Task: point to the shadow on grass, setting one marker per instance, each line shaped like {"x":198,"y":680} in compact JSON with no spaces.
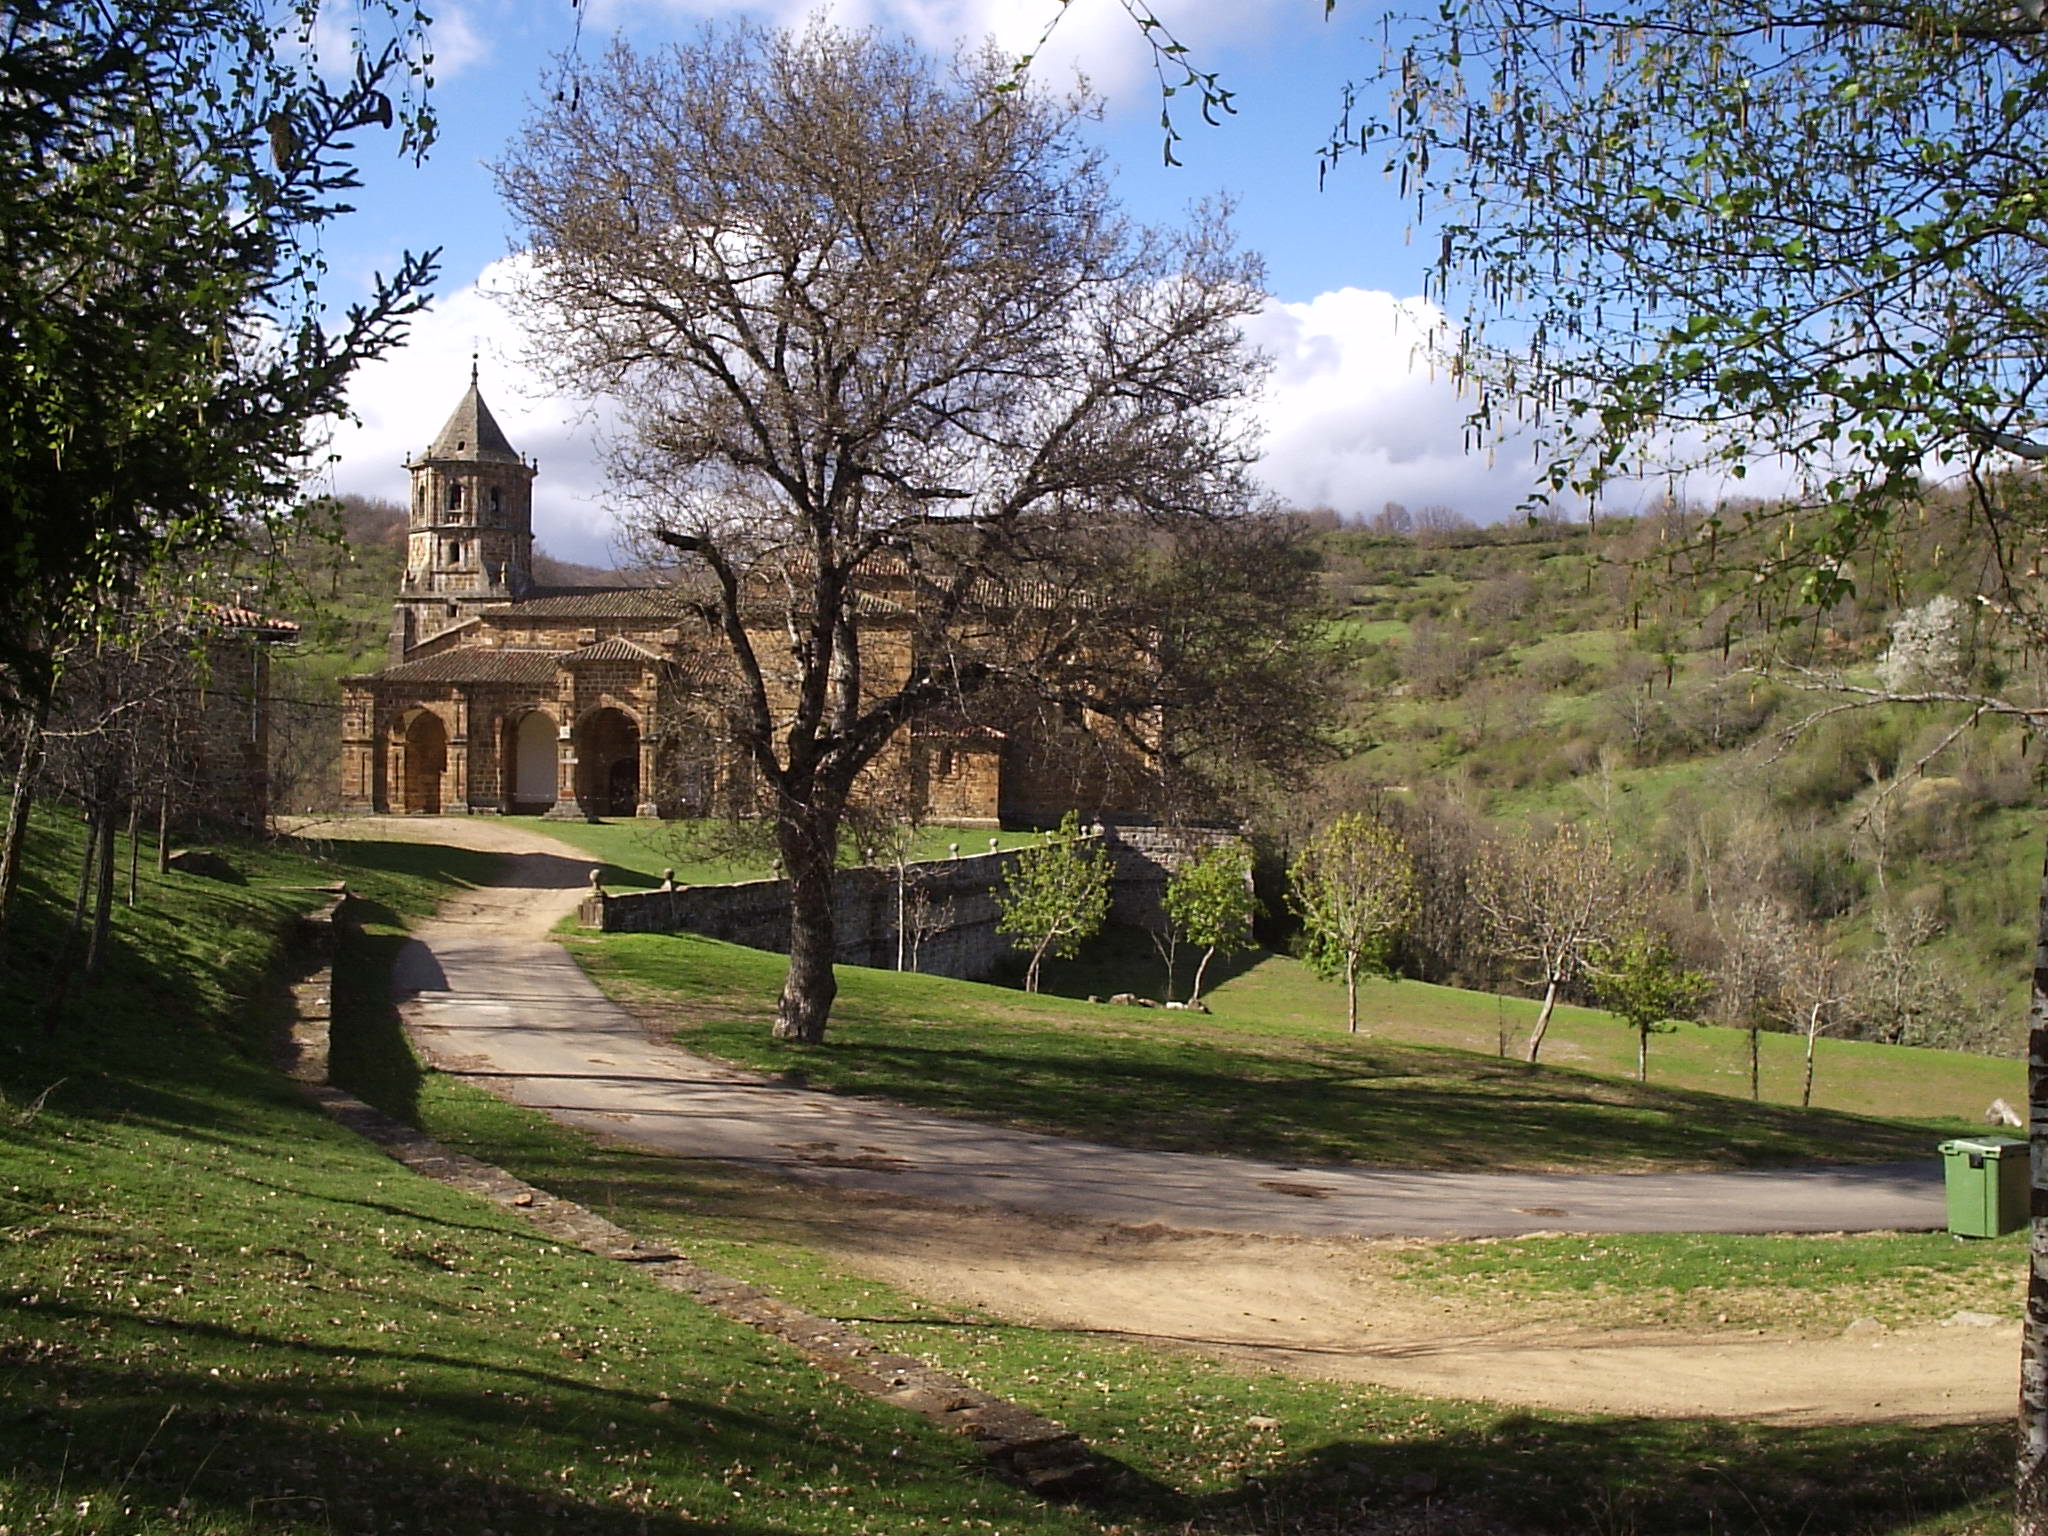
{"x":368,"y":1054}
{"x":1122,"y":959}
{"x":1404,"y":1106}
{"x":1635,"y":1475}
{"x":336,"y":1455}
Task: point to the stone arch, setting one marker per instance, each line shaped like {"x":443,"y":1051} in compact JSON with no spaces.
{"x":608,"y":763}
{"x":423,"y":762}
{"x":531,"y":750}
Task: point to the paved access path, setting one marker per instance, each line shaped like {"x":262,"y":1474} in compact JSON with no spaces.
{"x":485,"y":993}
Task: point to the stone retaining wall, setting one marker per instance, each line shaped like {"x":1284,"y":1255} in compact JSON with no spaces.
{"x":960,"y":938}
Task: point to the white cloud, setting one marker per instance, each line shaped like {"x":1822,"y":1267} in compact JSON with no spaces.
{"x":1357,"y":417}
{"x":1095,"y":37}
{"x":401,"y":400}
{"x":454,"y":41}
{"x":339,"y":36}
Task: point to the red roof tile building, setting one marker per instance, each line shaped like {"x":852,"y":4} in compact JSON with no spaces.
{"x":503,"y":696}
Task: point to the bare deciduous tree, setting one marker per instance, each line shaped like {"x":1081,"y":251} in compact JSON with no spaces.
{"x":877,"y":324}
{"x":1549,"y":902}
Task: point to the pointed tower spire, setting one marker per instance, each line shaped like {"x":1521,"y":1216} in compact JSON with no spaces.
{"x":472,"y":432}
{"x":471,"y":531}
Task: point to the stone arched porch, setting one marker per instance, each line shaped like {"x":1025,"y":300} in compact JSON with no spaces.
{"x":530,"y":757}
{"x":610,"y":769}
{"x":418,"y":761}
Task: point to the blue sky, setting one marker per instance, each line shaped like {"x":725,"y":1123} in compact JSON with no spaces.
{"x":1354,"y":418}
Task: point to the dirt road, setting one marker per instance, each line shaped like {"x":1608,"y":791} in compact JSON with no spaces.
{"x":1259,"y":1261}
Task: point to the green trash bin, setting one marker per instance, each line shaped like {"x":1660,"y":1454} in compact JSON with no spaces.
{"x":1987,"y":1178}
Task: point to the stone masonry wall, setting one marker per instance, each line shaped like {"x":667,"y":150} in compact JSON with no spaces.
{"x":957,"y":892}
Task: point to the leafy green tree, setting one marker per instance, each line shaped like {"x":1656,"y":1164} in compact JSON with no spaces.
{"x":1210,"y":901}
{"x":1055,"y":897}
{"x":1639,"y":977}
{"x":1353,"y":887}
{"x":166,"y":172}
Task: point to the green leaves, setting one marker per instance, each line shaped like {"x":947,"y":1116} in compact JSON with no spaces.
{"x":1055,"y":898}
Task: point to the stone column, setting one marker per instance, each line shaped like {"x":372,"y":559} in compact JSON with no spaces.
{"x":455,"y":783}
{"x":649,"y":753}
{"x":565,"y":807}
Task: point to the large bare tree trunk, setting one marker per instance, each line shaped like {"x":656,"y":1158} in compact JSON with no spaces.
{"x":25,"y":775}
{"x":2030,"y":1515}
{"x":1543,"y":1018}
{"x":808,"y":855}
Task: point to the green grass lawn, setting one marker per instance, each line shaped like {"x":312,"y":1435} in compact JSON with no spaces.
{"x":1945,"y":1090}
{"x":635,"y":853}
{"x":221,"y":1314}
{"x":1256,"y":1079}
{"x":1231,"y":1448}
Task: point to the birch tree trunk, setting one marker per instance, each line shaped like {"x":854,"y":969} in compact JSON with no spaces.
{"x":2030,"y":1514}
{"x":1543,"y":1018}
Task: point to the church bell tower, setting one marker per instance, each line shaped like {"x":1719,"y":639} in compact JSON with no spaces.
{"x":469,"y":535}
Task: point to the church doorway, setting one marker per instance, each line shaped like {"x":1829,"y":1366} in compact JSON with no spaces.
{"x":608,"y":763}
{"x":426,"y":761}
{"x":533,"y":761}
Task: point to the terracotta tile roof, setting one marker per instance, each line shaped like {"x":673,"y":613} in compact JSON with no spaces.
{"x":503,"y":664}
{"x":617,"y":648}
{"x":596,"y":603}
{"x":248,"y":620}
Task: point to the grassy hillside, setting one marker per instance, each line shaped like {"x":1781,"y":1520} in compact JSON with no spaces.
{"x":1610,"y":677}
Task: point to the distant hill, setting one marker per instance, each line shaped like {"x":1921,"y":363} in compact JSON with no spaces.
{"x":1616,"y":676}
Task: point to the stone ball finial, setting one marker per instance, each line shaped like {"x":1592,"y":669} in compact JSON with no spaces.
{"x":954,"y":849}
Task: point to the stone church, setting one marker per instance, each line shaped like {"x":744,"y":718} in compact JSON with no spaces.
{"x":503,"y":696}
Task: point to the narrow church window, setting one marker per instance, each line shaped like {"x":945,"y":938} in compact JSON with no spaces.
{"x":455,"y":497}
{"x":455,"y":552}
{"x":497,"y":503}
{"x":945,"y":762}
